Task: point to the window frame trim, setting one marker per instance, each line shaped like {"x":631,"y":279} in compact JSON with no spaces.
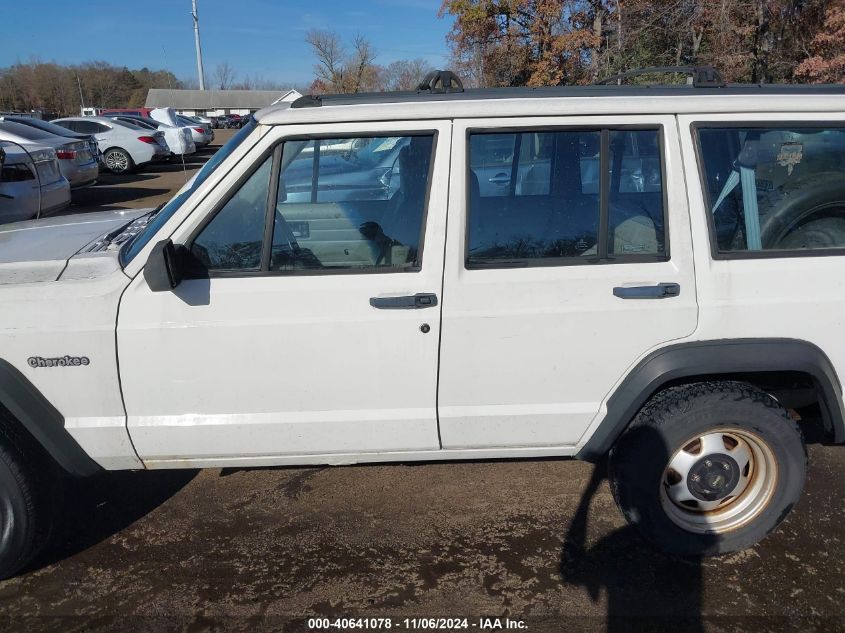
{"x":275,"y":151}
{"x":604,"y":195}
{"x":715,"y":253}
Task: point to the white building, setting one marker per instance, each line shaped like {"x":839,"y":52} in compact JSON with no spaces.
{"x":217,"y":102}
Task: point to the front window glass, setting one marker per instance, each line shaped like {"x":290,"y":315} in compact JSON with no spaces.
{"x":775,"y":188}
{"x":134,"y":246}
{"x":232,"y":240}
{"x":351,"y":203}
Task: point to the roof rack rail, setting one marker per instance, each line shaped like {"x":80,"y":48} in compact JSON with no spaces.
{"x":441,"y":81}
{"x":437,"y":82}
{"x":702,"y":76}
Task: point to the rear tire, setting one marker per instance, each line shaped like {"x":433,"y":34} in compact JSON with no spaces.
{"x":708,"y":468}
{"x":25,"y":508}
{"x":118,"y":161}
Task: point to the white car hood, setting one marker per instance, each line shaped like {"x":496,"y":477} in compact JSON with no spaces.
{"x":39,"y":250}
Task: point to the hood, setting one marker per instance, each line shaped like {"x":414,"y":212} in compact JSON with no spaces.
{"x":38,"y":250}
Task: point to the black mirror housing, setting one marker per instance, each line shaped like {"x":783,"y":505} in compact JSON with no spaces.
{"x":164,"y":267}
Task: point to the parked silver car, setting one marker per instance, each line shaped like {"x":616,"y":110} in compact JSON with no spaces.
{"x":76,"y":162}
{"x":201,"y":132}
{"x":31,"y":183}
{"x":124,"y":146}
{"x":58,"y":130}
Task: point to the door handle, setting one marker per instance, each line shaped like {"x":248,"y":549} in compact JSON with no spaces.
{"x":659,"y":291}
{"x":408,"y":302}
{"x":500,"y":179}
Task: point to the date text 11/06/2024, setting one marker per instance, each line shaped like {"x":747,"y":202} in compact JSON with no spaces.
{"x":431,"y":624}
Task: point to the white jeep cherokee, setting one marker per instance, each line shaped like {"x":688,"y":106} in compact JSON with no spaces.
{"x":657,"y":273}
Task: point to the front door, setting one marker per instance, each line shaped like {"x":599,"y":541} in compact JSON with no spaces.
{"x":311,"y":323}
{"x":568,"y":259}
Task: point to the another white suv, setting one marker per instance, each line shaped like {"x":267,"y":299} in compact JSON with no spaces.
{"x":653,"y":273}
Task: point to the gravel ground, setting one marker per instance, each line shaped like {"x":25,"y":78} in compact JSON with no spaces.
{"x":254,"y":550}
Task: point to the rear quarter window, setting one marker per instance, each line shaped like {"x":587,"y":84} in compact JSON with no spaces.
{"x":772,"y":190}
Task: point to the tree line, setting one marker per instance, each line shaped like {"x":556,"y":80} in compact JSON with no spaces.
{"x":509,"y":43}
{"x":55,"y":88}
{"x":554,"y":42}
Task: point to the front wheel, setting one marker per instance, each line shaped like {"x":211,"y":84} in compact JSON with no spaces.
{"x":118,"y":161}
{"x":708,"y":468}
{"x":25,"y":500}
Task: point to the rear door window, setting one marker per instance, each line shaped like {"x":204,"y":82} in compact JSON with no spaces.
{"x":561,"y":197}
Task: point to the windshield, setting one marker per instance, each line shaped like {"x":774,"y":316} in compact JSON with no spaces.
{"x":157,"y":220}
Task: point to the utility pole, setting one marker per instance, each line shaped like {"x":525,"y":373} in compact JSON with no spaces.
{"x":81,"y":100}
{"x":197,"y":40}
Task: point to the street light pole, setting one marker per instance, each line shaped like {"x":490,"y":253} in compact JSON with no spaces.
{"x":197,"y":40}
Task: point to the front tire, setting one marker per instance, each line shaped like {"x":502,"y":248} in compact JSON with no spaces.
{"x":25,"y":508}
{"x":118,"y":161}
{"x":708,"y":468}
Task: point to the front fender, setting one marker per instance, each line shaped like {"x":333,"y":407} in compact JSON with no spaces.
{"x":43,"y":421}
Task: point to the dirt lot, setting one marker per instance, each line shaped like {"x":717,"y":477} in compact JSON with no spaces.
{"x":540,"y":542}
{"x":253,"y":550}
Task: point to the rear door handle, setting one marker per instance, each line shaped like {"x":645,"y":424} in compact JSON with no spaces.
{"x":408,"y":302}
{"x":659,"y":291}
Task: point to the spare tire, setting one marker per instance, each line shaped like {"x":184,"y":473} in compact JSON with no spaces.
{"x":810,"y":214}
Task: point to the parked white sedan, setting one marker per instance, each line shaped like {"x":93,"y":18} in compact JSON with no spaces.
{"x":31,"y":183}
{"x":124,"y":146}
{"x":179,"y":140}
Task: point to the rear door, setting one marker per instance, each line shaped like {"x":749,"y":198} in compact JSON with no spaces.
{"x":568,"y":259}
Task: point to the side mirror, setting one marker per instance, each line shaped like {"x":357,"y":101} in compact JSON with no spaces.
{"x":163,"y":270}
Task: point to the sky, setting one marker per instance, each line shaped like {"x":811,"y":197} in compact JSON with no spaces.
{"x":256,"y":37}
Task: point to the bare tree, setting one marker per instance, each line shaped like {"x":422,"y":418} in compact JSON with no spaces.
{"x":224,"y":75}
{"x":364,"y":74}
{"x":405,"y":74}
{"x":331,"y":58}
{"x":339,"y":71}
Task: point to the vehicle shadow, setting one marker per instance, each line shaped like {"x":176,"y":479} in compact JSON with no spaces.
{"x":192,"y":162}
{"x":94,"y":199}
{"x":92,"y":509}
{"x":644,"y":590}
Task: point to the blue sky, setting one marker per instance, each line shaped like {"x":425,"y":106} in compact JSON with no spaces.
{"x":264,"y":37}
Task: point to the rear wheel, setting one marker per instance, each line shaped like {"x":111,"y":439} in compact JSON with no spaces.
{"x":708,"y":468}
{"x":118,"y":161}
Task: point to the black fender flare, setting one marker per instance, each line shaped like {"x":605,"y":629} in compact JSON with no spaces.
{"x":709,"y":358}
{"x":43,"y":421}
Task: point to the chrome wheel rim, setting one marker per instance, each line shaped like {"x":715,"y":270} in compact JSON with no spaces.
{"x":718,"y":481}
{"x":116,"y":161}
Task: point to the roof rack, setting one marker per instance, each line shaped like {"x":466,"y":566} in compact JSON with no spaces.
{"x":702,"y":76}
{"x":437,"y":82}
